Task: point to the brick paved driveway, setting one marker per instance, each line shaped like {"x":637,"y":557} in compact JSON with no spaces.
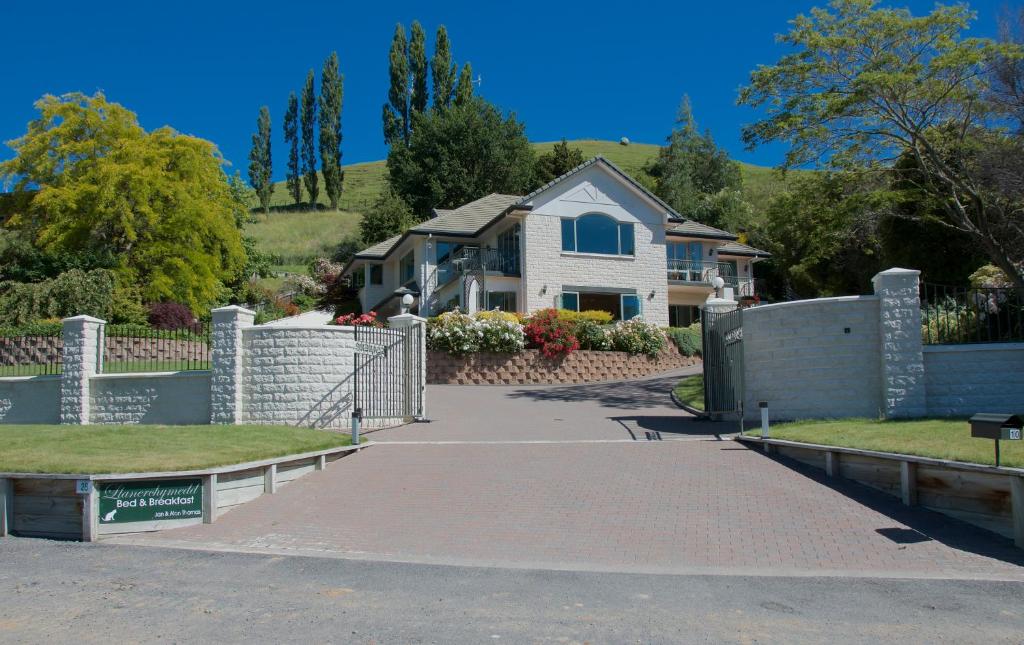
{"x":672,"y":506}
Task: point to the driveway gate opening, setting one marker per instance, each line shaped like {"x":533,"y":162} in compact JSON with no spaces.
{"x":723,"y":361}
{"x":386,"y":375}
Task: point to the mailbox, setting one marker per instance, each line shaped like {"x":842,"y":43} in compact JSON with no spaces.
{"x":996,"y":427}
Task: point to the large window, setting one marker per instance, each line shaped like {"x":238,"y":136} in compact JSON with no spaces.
{"x":407,"y":267}
{"x":445,"y":251}
{"x":503,"y":300}
{"x":622,"y":306}
{"x":683,"y":315}
{"x":376,"y":274}
{"x":596,"y":233}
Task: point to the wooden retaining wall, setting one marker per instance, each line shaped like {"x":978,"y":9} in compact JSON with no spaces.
{"x":985,"y":496}
{"x":50,"y":506}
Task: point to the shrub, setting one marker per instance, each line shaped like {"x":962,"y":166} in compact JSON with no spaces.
{"x":453,"y":332}
{"x":362,"y":320}
{"x":497,"y":314}
{"x":71,"y":293}
{"x":170,"y":315}
{"x":500,"y":333}
{"x":687,"y":339}
{"x":552,"y":335}
{"x":593,"y":315}
{"x":637,"y":337}
{"x":592,"y":335}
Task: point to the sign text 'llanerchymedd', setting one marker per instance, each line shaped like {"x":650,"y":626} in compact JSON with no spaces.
{"x":150,"y":501}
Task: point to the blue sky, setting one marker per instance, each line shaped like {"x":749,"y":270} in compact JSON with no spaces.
{"x":566,"y":69}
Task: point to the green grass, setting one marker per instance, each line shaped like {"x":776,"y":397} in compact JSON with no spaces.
{"x":299,"y":237}
{"x":690,"y":390}
{"x":124,"y":449}
{"x":116,"y":367}
{"x":938,"y":438}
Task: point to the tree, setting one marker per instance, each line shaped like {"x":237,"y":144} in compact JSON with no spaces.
{"x":331,"y":94}
{"x":559,"y":161}
{"x":1008,"y":71}
{"x":396,"y":110}
{"x":461,"y":154}
{"x":291,"y":138}
{"x":389,"y":216}
{"x":866,"y":85}
{"x":696,"y":177}
{"x":418,"y":67}
{"x":307,"y":122}
{"x":443,"y":69}
{"x":158,"y":204}
{"x":260,"y":164}
{"x":464,"y":90}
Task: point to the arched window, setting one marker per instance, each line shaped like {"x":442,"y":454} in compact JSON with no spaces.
{"x":596,"y":233}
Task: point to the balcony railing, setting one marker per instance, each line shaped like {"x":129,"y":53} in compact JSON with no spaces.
{"x":698,"y":272}
{"x":493,"y":260}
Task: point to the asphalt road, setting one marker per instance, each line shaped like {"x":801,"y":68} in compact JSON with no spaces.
{"x":60,"y":592}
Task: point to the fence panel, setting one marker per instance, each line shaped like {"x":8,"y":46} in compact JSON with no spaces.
{"x":959,"y":315}
{"x":34,"y":355}
{"x":134,"y":348}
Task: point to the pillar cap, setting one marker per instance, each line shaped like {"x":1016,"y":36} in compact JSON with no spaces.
{"x":83,"y":318}
{"x":898,"y":271}
{"x":233,"y":309}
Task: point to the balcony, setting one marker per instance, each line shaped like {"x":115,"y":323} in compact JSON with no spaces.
{"x":470,"y":259}
{"x":703,"y":273}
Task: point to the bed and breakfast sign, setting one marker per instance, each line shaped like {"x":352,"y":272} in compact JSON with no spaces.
{"x":150,"y":501}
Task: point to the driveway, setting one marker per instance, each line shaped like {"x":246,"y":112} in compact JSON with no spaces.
{"x":550,"y":478}
{"x":619,"y":411}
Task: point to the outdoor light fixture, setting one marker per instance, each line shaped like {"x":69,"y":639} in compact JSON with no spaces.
{"x":544,"y":290}
{"x":651,"y":296}
{"x":718,"y":283}
{"x":406,"y":303}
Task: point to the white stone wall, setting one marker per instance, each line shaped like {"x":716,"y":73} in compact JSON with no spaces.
{"x":226,"y":362}
{"x":900,"y":328}
{"x":30,"y":399}
{"x":594,"y":191}
{"x":168,"y":398}
{"x":962,"y":380}
{"x":799,"y":357}
{"x":297,"y":376}
{"x":82,"y":353}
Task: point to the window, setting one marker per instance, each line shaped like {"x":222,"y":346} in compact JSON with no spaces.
{"x":504,"y":300}
{"x":683,"y":315}
{"x":376,"y":274}
{"x":597,"y":233}
{"x":407,"y":268}
{"x":622,"y":306}
{"x":630,"y":306}
{"x":359,"y":278}
{"x":570,"y":301}
{"x":446,"y":250}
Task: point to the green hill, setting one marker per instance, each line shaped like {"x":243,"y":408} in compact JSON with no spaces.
{"x":298,"y":237}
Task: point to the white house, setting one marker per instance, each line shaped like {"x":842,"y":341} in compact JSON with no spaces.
{"x":591,"y":239}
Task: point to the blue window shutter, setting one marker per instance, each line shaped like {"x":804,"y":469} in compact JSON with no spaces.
{"x":568,"y":235}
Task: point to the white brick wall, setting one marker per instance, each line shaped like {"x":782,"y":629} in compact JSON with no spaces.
{"x":179,"y":398}
{"x":799,"y":358}
{"x":30,"y":399}
{"x":962,"y":380}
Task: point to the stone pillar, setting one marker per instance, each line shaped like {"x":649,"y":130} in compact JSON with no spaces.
{"x":902,"y":356}
{"x":719,"y":305}
{"x":81,"y":360}
{"x":417,"y":379}
{"x":226,"y":363}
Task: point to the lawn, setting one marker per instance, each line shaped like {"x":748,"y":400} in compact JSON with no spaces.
{"x":938,"y":438}
{"x":124,"y":449}
{"x":114,"y":367}
{"x":690,"y":391}
{"x":298,"y":237}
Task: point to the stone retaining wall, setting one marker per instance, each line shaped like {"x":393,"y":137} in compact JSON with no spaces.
{"x":530,"y":367}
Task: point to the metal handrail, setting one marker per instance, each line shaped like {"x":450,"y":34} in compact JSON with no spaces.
{"x":472,"y":258}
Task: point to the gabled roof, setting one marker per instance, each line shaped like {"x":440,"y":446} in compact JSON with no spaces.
{"x":381,"y":249}
{"x":690,"y":228}
{"x":599,"y":160}
{"x":736,"y":248}
{"x":469,"y":218}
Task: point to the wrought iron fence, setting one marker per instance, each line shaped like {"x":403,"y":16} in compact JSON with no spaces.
{"x":31,"y":355}
{"x":955,"y":315}
{"x":137,"y":348}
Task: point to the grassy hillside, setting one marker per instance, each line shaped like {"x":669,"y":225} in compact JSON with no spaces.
{"x":300,"y":236}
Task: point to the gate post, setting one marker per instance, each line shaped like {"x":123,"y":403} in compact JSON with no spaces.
{"x":226,"y":363}
{"x":717,"y":372}
{"x":414,"y":361}
{"x":902,"y":357}
{"x":82,"y":358}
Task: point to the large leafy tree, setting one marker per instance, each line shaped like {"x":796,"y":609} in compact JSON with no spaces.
{"x":464,"y":89}
{"x":560,"y":160}
{"x":865,"y":85}
{"x":91,"y":180}
{"x":418,"y":67}
{"x":461,"y":154}
{"x":696,"y":177}
{"x":389,"y":216}
{"x":396,"y":110}
{"x":443,"y":69}
{"x":291,"y":137}
{"x":307,"y":122}
{"x":331,"y":94}
{"x":260,"y":163}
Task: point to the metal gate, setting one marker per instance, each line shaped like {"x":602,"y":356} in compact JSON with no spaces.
{"x":723,"y":361}
{"x":387,"y":374}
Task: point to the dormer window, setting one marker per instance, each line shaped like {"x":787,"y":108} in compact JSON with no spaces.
{"x":597,"y":233}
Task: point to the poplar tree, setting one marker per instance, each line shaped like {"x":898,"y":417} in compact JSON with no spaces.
{"x":331,"y":93}
{"x":464,"y":90}
{"x":443,"y":69}
{"x":260,"y":164}
{"x":418,"y":67}
{"x":307,"y":122}
{"x":396,"y":110}
{"x":291,"y":139}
